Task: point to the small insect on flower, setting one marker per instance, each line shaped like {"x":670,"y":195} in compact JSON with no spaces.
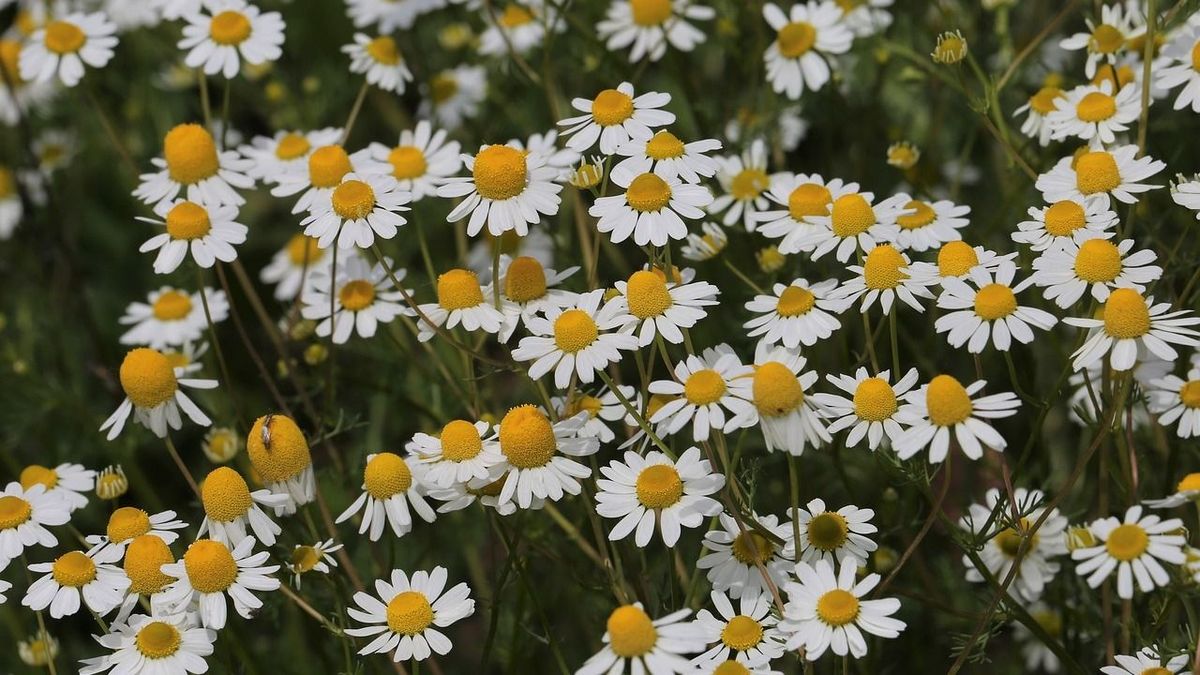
{"x":280,"y":456}
{"x":507,"y":190}
{"x":635,"y":642}
{"x":405,"y":616}
{"x":154,"y":394}
{"x":166,"y":643}
{"x":827,"y":610}
{"x":75,"y":574}
{"x":650,"y":26}
{"x":65,"y":44}
{"x":211,"y":570}
{"x":231,"y":32}
{"x":1135,"y":548}
{"x":643,"y":491}
{"x":379,"y":58}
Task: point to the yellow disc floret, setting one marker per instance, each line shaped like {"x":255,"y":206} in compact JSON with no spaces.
{"x":884,"y":268}
{"x":948,"y":401}
{"x":190,"y":153}
{"x":922,"y":215}
{"x":127,"y":523}
{"x":302,"y":248}
{"x":525,"y":280}
{"x":1127,"y":542}
{"x":1096,"y":172}
{"x":147,"y":377}
{"x":664,"y":145}
{"x":144,"y":558}
{"x":874,"y":400}
{"x":188,"y":220}
{"x":648,"y":192}
{"x":611,"y":107}
{"x":74,"y":569}
{"x":795,"y":301}
{"x":828,"y":531}
{"x":1063,"y":218}
{"x":527,"y":438}
{"x":409,"y":613}
{"x":631,"y":632}
{"x":742,"y":633}
{"x":851,"y":215}
{"x":499,"y":172}
{"x":292,"y":146}
{"x":387,"y":475}
{"x":574,"y":330}
{"x":230,"y":28}
{"x":63,"y":37}
{"x":777,"y":390}
{"x":459,"y":289}
{"x":357,"y":295}
{"x":659,"y":486}
{"x":1189,"y":396}
{"x":460,"y":441}
{"x":748,"y":184}
{"x":1126,"y":315}
{"x":1098,"y":261}
{"x":13,"y":512}
{"x":704,"y":387}
{"x":956,"y":258}
{"x":36,"y":474}
{"x":383,"y":50}
{"x":995,"y":301}
{"x":225,"y":495}
{"x":353,"y":200}
{"x":647,"y":295}
{"x":158,"y":640}
{"x":408,"y":162}
{"x":1096,"y":107}
{"x":751,"y":548}
{"x":210,"y":566}
{"x":837,"y":607}
{"x":796,"y":39}
{"x":327,"y":165}
{"x":172,"y":306}
{"x":809,"y":199}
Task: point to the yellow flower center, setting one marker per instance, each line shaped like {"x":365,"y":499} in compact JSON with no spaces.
{"x":922,"y":215}
{"x":1063,"y":218}
{"x":527,"y":438}
{"x":158,"y":640}
{"x":751,"y":548}
{"x":704,"y":387}
{"x":874,"y":400}
{"x":13,"y":512}
{"x":742,"y":633}
{"x":460,"y":441}
{"x":63,"y":37}
{"x":995,"y":301}
{"x":1196,"y":56}
{"x":777,"y":390}
{"x":1098,"y":261}
{"x":327,"y":165}
{"x":795,"y":301}
{"x":657,"y":401}
{"x":459,"y":289}
{"x":292,"y":146}
{"x":126,"y":523}
{"x":10,"y":57}
{"x":1096,"y":172}
{"x":650,"y":12}
{"x":590,"y":404}
{"x":1009,"y":540}
{"x":443,"y":88}
{"x":1106,"y":39}
{"x":386,"y":475}
{"x":574,"y":330}
{"x":884,"y":268}
{"x":947,"y":401}
{"x":144,"y":558}
{"x":612,"y":106}
{"x":383,"y":50}
{"x":229,"y":28}
{"x":303,"y":248}
{"x":515,"y":15}
{"x":1043,"y":101}
{"x":225,"y":495}
{"x":647,"y":294}
{"x":664,"y":145}
{"x":749,"y":184}
{"x":74,"y":569}
{"x":525,"y":280}
{"x":1096,"y":107}
{"x":188,"y":220}
{"x":190,"y":153}
{"x":903,"y":155}
{"x":353,"y":200}
{"x":730,"y":668}
{"x":1189,"y":395}
{"x":951,"y":48}
{"x":408,"y":162}
{"x":659,"y":486}
{"x":147,"y":377}
{"x":8,"y":188}
{"x":1127,"y":542}
{"x":1156,"y":670}
{"x":956,"y":258}
{"x":409,"y":613}
{"x":36,"y":474}
{"x":648,"y":192}
{"x":282,"y":454}
{"x":1126,"y":315}
{"x":809,"y":199}
{"x":210,"y":566}
{"x":111,"y":484}
{"x":796,"y":38}
{"x":837,"y":607}
{"x":852,"y":215}
{"x":828,"y":531}
{"x":172,"y":306}
{"x":499,"y":172}
{"x":305,"y":558}
{"x":631,"y":632}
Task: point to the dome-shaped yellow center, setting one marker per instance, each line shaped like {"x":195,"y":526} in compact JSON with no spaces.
{"x":225,"y":495}
{"x":13,"y":512}
{"x":828,"y":531}
{"x":357,"y":295}
{"x":147,"y":377}
{"x":837,"y":607}
{"x":874,"y":400}
{"x":459,"y":289}
{"x":36,"y":474}
{"x":460,"y":441}
{"x":230,"y":28}
{"x":408,"y":162}
{"x":659,"y":486}
{"x":922,"y":215}
{"x":281,"y":453}
{"x":1009,"y":540}
{"x":190,"y":153}
{"x":353,"y":200}
{"x":796,"y":38}
{"x":648,"y":192}
{"x":63,"y":37}
{"x":995,"y":301}
{"x":748,"y":184}
{"x":956,"y":258}
{"x":126,"y":523}
{"x":777,"y":390}
{"x":383,"y":50}
{"x":1043,"y":101}
{"x":527,"y":438}
{"x":144,"y":558}
{"x":327,"y":165}
{"x":74,"y":569}
{"x":499,"y":172}
{"x":158,"y":640}
{"x":851,"y":215}
{"x":525,"y":280}
{"x":574,"y":330}
{"x":795,"y":301}
{"x":704,"y":387}
{"x":1096,"y":107}
{"x":751,"y":548}
{"x":730,"y":668}
{"x":1189,"y":483}
{"x":386,"y":475}
{"x":443,"y":87}
{"x":884,"y":268}
{"x":742,"y":633}
{"x":948,"y":401}
{"x":664,"y":145}
{"x":172,"y":306}
{"x":210,"y":566}
{"x":1106,"y":39}
{"x":809,"y":199}
{"x":515,"y":15}
{"x":583,"y":403}
{"x":1127,"y":542}
{"x":631,"y":632}
{"x":188,"y":220}
{"x":1098,"y":261}
{"x":1063,"y":218}
{"x":647,"y":294}
{"x":304,"y":559}
{"x":10,"y":57}
{"x":1126,"y":315}
{"x":1096,"y":172}
{"x":302,"y":248}
{"x":292,"y":146}
{"x":612,"y":106}
{"x":409,"y":613}
{"x":1189,"y":395}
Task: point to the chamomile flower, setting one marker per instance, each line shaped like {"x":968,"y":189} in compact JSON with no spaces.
{"x":806,"y":37}
{"x":316,"y":557}
{"x":885,"y":275}
{"x":602,"y":408}
{"x":231,"y":32}
{"x":285,"y":152}
{"x":1187,"y":490}
{"x":1100,"y":174}
{"x":458,"y":454}
{"x":929,"y":224}
{"x":748,"y":634}
{"x":528,"y":288}
{"x":1095,"y":111}
{"x":317,"y":177}
{"x":744,"y":180}
{"x":700,"y":247}
{"x":65,"y":44}
{"x":193,"y":165}
{"x":520,"y":27}
{"x":634,"y":641}
{"x":391,"y":485}
{"x":230,"y":506}
{"x":873,"y":409}
{"x":67,"y":481}
{"x":281,"y":458}
{"x":778,"y":390}
{"x":1184,"y":192}
{"x":111,"y":483}
{"x":854,"y":223}
{"x":795,"y":314}
{"x":461,"y":495}
{"x":361,"y":297}
{"x":129,"y":522}
{"x":1130,"y":320}
{"x":154,"y":394}
{"x":144,"y":557}
{"x":1135,"y":547}
{"x":833,"y":536}
{"x":803,"y":197}
{"x":380,"y":60}
{"x":564,"y":160}
{"x":358,"y":209}
{"x":986,"y":310}
{"x":1075,"y":220}
{"x":707,"y":387}
{"x":166,"y":643}
{"x":406,"y":615}
{"x":643,"y":491}
{"x":508,"y":189}
{"x":460,"y":300}
{"x":576,"y":341}
{"x":651,"y":306}
{"x":668,"y":157}
{"x":616,"y":116}
{"x":210,"y":570}
{"x":826,"y":609}
{"x":294,"y":267}
{"x":1039,"y":107}
{"x":1147,"y":660}
{"x":956,"y":259}
{"x":24,"y":515}
{"x":1104,"y":41}
{"x":1181,"y":68}
{"x":943,"y":406}
{"x":172,"y":317}
{"x":652,"y":209}
{"x":537,"y":244}
{"x":1003,"y":539}
{"x":73,"y":574}
{"x":453,"y":96}
{"x":420,"y":161}
{"x":1036,"y":655}
{"x":209,"y":234}
{"x":537,"y":456}
{"x":733,"y":554}
{"x":651,"y":25}
{"x":390,"y":15}
{"x":38,"y":649}
{"x":1176,"y":400}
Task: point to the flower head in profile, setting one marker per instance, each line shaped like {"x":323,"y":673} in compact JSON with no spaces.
{"x":193,"y":165}
{"x":308,"y":558}
{"x":154,"y":394}
{"x":66,"y":481}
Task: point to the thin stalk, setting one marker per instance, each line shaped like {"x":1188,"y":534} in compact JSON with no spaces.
{"x":187,"y":474}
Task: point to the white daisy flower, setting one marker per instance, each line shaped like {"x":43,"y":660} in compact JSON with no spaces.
{"x":65,"y":44}
{"x":651,"y":210}
{"x":76,"y":573}
{"x":700,"y":247}
{"x":777,"y":389}
{"x":650,"y":306}
{"x":577,"y":340}
{"x":986,"y":310}
{"x":420,"y":161}
{"x":380,"y":60}
{"x":316,"y":557}
{"x":928,"y":225}
{"x":854,"y":223}
{"x":706,"y":386}
{"x":1135,"y":548}
{"x":744,"y":180}
{"x":805,"y":39}
{"x":1094,"y":111}
{"x":615,"y":117}
{"x":280,"y":456}
{"x":1039,"y":106}
{"x":944,"y":405}
{"x":645,"y":646}
{"x":651,"y":25}
{"x":129,"y":522}
{"x":1075,"y":220}
{"x":537,"y":456}
{"x":1180,"y":68}
{"x":602,"y":408}
{"x":453,"y":95}
{"x":1187,"y":490}
{"x":833,"y":536}
{"x":795,"y":314}
{"x":285,"y":152}
{"x":19,"y":95}
{"x":992,"y":523}
{"x":317,"y":177}
{"x":24,"y":515}
{"x":390,"y":15}
{"x":866,"y":17}
{"x":643,"y":491}
{"x":1147,"y":660}
{"x":459,"y":454}
{"x":873,"y":409}
{"x":665,"y":155}
{"x":193,"y":165}
{"x":748,"y":634}
{"x":527,"y":289}
{"x":38,"y":649}
{"x":211,"y":570}
{"x":208,"y":233}
{"x":1176,"y":400}
{"x":406,"y":615}
{"x":66,"y":481}
{"x":357,"y":210}
{"x":166,"y":643}
{"x":803,"y":196}
{"x":733,"y":555}
{"x":508,"y":189}
{"x":1130,"y":319}
{"x":172,"y":317}
{"x":1098,"y":174}
{"x":1036,"y":655}
{"x":885,"y":275}
{"x":460,"y":300}
{"x":294,"y":267}
{"x":365,"y":297}
{"x":391,"y":484}
{"x":826,"y":611}
{"x":229,"y":506}
{"x":956,"y":259}
{"x":1104,"y":41}
{"x":231,"y":32}
{"x":520,"y":27}
{"x":154,"y":394}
